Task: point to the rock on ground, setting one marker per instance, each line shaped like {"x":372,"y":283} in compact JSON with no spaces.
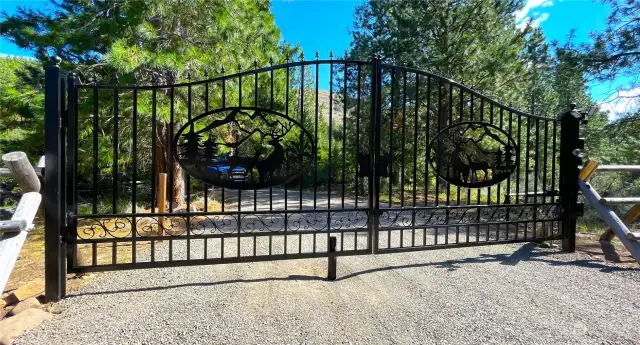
{"x":12,"y":327}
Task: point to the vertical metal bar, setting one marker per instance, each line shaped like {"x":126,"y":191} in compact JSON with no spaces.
{"x":224,"y":105}
{"x":448,"y":200}
{"x":403,"y":146}
{"x":188,"y":182}
{"x":374,"y":154}
{"x":134,"y":174}
{"x":517,"y":198}
{"x":545,"y":156}
{"x":438,"y":155}
{"x":154,"y":124}
{"x":554,"y":154}
{"x":271,"y":107}
{"x":303,"y":125}
{"x":96,"y":123}
{"x":391,"y":120}
{"x":114,"y":168}
{"x":70,"y":169}
{"x":206,"y":186}
{"x":171,"y":167}
{"x":526,"y":172}
{"x":535,"y":176}
{"x":239,"y":243}
{"x":315,"y":155}
{"x":427,"y":155}
{"x":330,"y":148}
{"x":53,"y":186}
{"x":255,"y":103}
{"x":301,"y":139}
{"x":508,"y":189}
{"x":415,"y":159}
{"x":357,"y":144}
{"x":403,"y":139}
{"x":170,"y":148}
{"x":344,"y":143}
{"x":499,"y":189}
{"x":286,"y":197}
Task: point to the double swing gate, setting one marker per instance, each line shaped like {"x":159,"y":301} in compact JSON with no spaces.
{"x":306,"y":159}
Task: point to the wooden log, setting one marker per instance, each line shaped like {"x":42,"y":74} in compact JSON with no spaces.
{"x":162,"y":200}
{"x":12,"y":225}
{"x":11,"y":243}
{"x":22,"y":170}
{"x":628,"y":218}
{"x":617,"y":168}
{"x":628,"y":200}
{"x":633,"y":236}
{"x":587,"y":170}
{"x":611,"y":218}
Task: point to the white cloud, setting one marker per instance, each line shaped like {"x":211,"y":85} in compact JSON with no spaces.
{"x":531,"y":12}
{"x":536,"y":22}
{"x":622,"y":102}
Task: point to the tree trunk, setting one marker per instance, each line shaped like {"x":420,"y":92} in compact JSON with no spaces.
{"x":163,"y":156}
{"x":178,"y":185}
{"x":443,"y":119}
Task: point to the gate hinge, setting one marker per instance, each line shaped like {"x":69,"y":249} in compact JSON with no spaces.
{"x":63,"y":119}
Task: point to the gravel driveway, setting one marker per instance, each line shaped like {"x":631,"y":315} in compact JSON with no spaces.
{"x":503,"y":294}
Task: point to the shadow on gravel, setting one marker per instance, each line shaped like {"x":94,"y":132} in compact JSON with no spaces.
{"x":527,"y":252}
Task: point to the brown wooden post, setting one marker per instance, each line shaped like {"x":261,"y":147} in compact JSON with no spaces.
{"x":162,"y":201}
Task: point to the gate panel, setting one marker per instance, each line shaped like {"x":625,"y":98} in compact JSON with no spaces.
{"x":216,"y":133}
{"x":461,"y":169}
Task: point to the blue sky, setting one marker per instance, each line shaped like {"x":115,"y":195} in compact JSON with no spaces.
{"x":323,"y":24}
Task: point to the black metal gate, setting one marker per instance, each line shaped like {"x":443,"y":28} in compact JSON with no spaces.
{"x":272,"y":163}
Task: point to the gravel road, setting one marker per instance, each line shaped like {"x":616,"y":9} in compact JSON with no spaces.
{"x":503,"y":294}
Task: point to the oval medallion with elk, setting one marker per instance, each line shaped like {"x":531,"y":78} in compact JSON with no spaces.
{"x":473,"y":154}
{"x":243,"y":148}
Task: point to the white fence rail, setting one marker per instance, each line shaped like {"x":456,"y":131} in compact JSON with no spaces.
{"x":14,"y":232}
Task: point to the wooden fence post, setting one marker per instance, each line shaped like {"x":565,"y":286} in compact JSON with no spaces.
{"x":162,"y":201}
{"x":22,"y":171}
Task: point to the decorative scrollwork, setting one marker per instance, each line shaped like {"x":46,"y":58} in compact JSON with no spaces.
{"x":349,"y":220}
{"x":89,"y":228}
{"x":308,"y":221}
{"x":270,"y":222}
{"x":473,"y":154}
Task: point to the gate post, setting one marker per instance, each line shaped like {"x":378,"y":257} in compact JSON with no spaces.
{"x":570,"y":160}
{"x":53,"y":183}
{"x":374,"y":154}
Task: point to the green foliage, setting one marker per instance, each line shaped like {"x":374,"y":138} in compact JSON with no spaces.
{"x":474,"y":42}
{"x":21,"y":107}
